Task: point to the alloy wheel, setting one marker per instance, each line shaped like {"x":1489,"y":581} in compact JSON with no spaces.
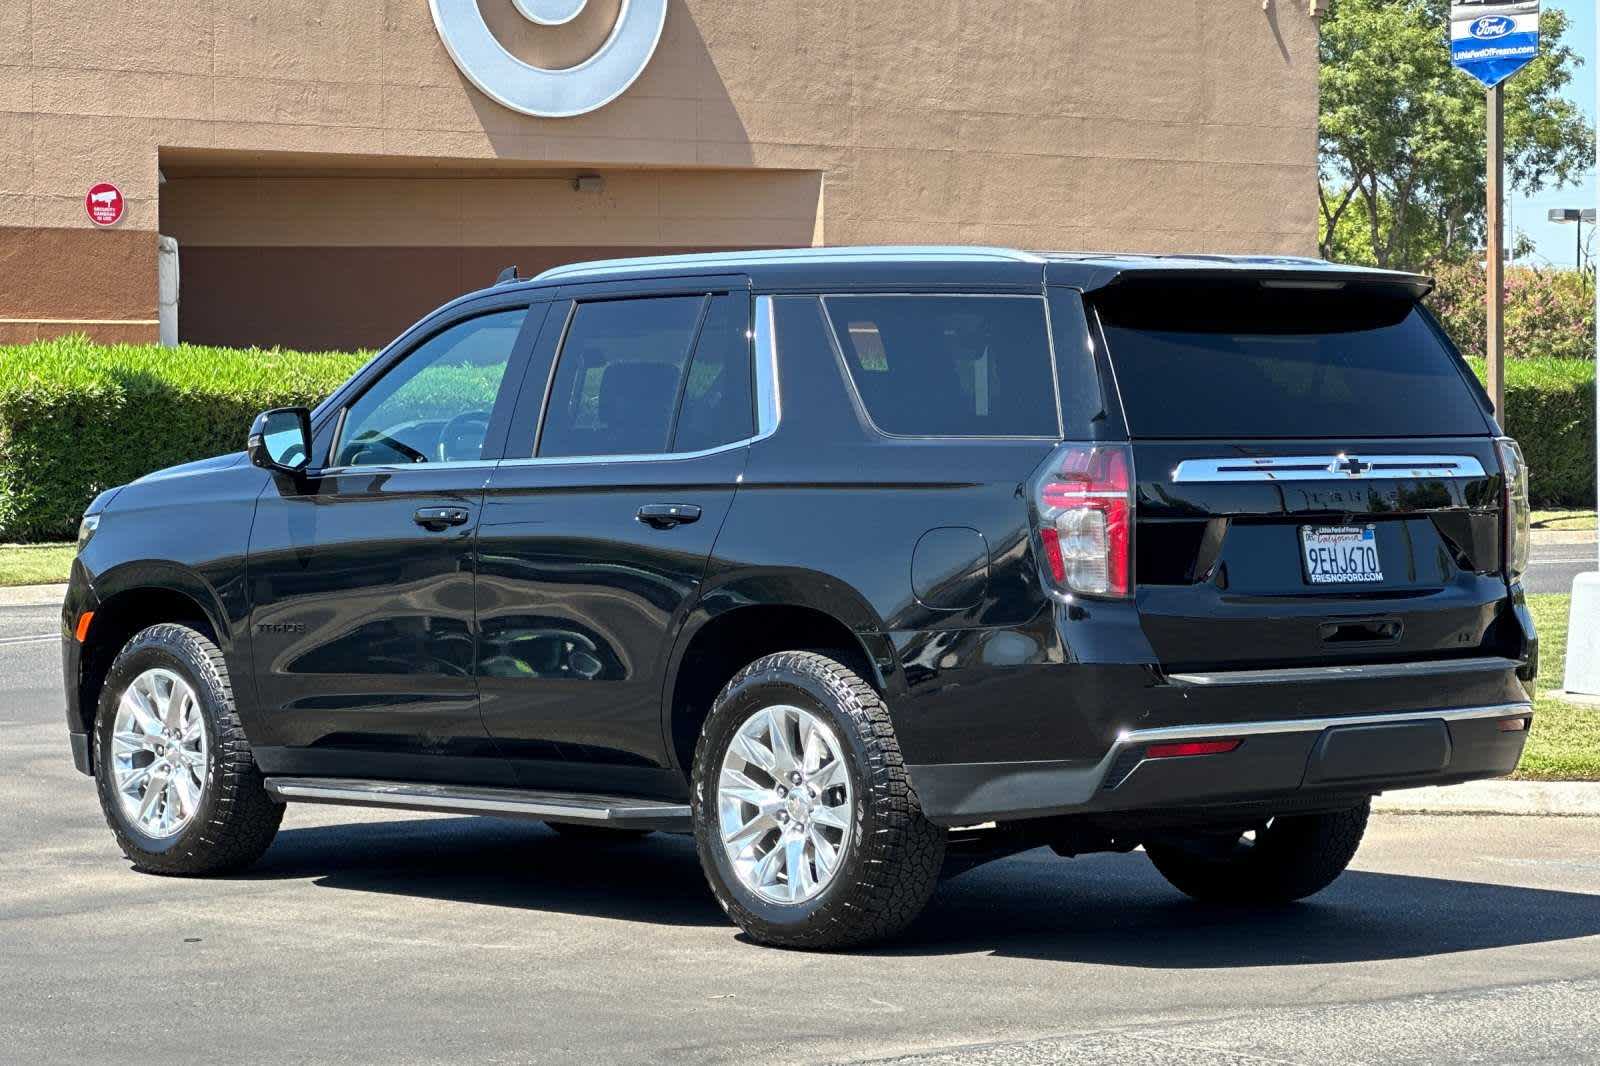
{"x":158,"y":753}
{"x":784,"y":804}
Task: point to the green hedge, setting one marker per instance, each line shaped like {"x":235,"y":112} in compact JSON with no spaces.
{"x":1549,"y":313}
{"x":78,"y":417}
{"x":1550,"y":411}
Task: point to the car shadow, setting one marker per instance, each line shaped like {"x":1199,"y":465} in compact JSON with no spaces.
{"x":1116,"y":910}
{"x":501,"y":863}
{"x":1110,"y":910}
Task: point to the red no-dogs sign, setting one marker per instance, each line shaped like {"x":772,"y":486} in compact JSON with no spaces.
{"x":104,"y":203}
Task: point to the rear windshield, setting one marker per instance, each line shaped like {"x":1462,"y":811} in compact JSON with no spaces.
{"x":950,"y":366}
{"x":1235,"y":360}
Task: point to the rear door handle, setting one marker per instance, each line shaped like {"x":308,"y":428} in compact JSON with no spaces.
{"x":440,"y":518}
{"x":667,"y":515}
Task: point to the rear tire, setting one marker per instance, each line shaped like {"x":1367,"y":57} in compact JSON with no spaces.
{"x":846,"y":856}
{"x":177,"y":734}
{"x":1291,"y":858}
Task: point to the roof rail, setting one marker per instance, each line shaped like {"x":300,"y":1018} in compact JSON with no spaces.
{"x":779,"y":256}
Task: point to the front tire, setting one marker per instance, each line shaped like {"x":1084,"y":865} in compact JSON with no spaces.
{"x":1288,"y":859}
{"x":177,"y":781}
{"x":805,"y":821}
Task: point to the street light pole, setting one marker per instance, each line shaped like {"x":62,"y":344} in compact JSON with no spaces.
{"x":1580,"y":215}
{"x":1496,"y":266}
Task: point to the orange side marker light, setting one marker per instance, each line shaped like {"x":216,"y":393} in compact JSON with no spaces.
{"x":82,"y":631}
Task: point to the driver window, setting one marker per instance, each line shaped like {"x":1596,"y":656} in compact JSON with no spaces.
{"x":433,"y":406}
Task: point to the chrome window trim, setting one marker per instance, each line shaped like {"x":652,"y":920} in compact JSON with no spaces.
{"x":390,"y":468}
{"x":1324,"y":468}
{"x":1055,"y":373}
{"x":650,"y":457}
{"x":855,"y":392}
{"x":769,"y":397}
{"x":769,"y":405}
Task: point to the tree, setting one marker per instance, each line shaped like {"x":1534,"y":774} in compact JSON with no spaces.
{"x":1402,"y":132}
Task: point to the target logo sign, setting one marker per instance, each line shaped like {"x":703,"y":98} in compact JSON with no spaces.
{"x":541,"y":91}
{"x":104,"y":203}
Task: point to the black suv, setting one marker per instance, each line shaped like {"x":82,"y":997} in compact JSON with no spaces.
{"x":859,"y":564}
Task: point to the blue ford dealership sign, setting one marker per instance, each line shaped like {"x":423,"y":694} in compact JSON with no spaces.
{"x":1492,"y":41}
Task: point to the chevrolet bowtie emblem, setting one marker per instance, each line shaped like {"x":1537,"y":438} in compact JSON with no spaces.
{"x":1349,"y":464}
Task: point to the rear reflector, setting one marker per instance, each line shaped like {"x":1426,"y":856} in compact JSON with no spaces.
{"x":82,"y":631}
{"x":1513,"y":725}
{"x":1190,"y":747}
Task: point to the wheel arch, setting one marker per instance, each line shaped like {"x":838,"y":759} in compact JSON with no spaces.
{"x":131,"y":598}
{"x":739,"y":621}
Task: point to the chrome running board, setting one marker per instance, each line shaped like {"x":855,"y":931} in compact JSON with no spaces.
{"x":620,"y":812}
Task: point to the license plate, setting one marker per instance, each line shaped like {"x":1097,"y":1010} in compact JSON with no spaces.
{"x":1338,"y":555}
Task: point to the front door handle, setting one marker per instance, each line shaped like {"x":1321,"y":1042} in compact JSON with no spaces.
{"x":440,"y":518}
{"x":667,"y":515}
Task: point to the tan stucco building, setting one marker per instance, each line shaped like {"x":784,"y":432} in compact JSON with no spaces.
{"x":330,"y":170}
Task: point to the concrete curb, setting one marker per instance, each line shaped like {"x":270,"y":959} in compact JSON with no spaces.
{"x":32,"y":595}
{"x":1560,"y":798}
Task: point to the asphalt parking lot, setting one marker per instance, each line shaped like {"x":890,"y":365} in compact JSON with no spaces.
{"x":389,"y":938}
{"x":1555,"y":565}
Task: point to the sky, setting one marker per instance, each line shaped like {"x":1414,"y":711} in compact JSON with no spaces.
{"x":1556,"y":243}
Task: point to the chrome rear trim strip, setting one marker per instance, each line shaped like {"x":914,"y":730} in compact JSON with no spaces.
{"x":1293,"y":675}
{"x":1313,"y":725}
{"x":1341,"y":467}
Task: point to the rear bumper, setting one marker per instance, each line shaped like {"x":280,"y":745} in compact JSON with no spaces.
{"x":1291,"y":760}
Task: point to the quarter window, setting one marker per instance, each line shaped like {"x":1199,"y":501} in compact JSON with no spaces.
{"x":949,"y":366}
{"x":718,"y":406}
{"x":434,"y":405}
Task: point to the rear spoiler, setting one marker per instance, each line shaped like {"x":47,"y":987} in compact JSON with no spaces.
{"x":1286,"y":274}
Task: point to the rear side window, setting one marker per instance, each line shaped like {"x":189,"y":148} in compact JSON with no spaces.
{"x":1241,"y":361}
{"x":617,"y":379}
{"x":949,"y":366}
{"x":652,"y":375}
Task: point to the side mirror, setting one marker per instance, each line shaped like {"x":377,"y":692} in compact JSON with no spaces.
{"x":280,"y":439}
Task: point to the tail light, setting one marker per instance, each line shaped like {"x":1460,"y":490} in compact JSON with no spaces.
{"x":1518,"y":511}
{"x":1083,"y":503}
